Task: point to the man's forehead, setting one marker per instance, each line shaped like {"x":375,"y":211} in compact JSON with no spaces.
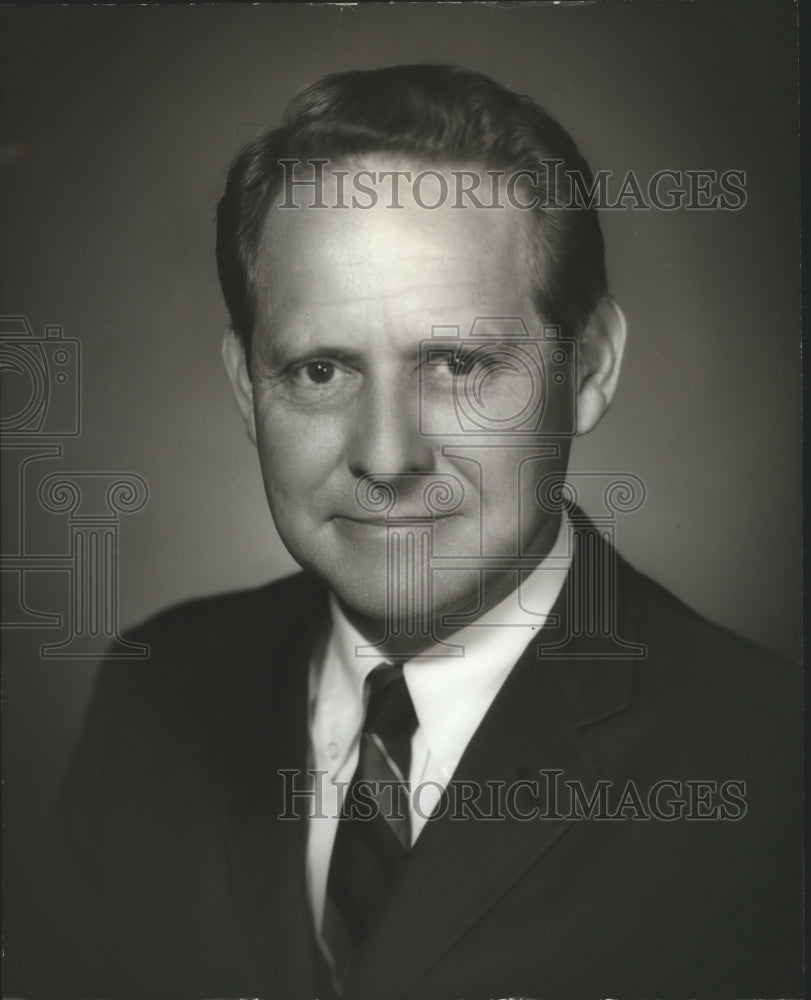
{"x":326,"y":244}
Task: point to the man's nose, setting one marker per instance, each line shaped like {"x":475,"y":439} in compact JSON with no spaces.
{"x":386,"y":438}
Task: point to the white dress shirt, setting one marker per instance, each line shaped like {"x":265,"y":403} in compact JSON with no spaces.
{"x":451,"y":696}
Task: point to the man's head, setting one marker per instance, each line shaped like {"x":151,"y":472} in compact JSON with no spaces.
{"x":333,"y":298}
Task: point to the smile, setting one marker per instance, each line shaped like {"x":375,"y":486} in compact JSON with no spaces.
{"x":381,"y":522}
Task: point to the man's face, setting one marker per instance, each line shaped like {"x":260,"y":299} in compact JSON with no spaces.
{"x":346,"y":298}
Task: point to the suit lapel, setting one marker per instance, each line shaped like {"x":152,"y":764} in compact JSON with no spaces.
{"x":459,"y":868}
{"x":263,"y":731}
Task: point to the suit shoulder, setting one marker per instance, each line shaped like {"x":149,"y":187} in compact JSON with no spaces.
{"x":201,"y":618}
{"x":717,"y":669}
{"x":198,"y":650}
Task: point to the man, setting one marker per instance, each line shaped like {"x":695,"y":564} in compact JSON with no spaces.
{"x":469,"y":752}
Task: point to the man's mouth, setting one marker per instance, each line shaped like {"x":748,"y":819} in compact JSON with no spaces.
{"x":370,"y":521}
{"x":382,"y":521}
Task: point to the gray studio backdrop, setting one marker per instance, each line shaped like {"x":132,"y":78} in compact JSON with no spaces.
{"x":118,"y":124}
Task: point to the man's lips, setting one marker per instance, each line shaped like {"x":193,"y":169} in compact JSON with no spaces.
{"x":378,"y":521}
{"x":370,"y":522}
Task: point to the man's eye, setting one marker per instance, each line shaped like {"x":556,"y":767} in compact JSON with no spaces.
{"x":319,"y":379}
{"x":491,"y":362}
{"x":459,"y":363}
{"x":315,"y":373}
{"x":319,"y":372}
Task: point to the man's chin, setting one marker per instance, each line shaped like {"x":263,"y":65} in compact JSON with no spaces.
{"x":383,"y":613}
{"x":380,"y":595}
{"x":357,"y":577}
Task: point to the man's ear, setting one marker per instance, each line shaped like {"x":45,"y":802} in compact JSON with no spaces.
{"x":602,"y":344}
{"x":233,"y":356}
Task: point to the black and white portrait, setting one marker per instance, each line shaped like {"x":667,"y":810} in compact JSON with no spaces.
{"x":402,"y":501}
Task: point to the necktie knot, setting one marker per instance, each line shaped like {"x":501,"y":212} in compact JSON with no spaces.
{"x":389,"y":710}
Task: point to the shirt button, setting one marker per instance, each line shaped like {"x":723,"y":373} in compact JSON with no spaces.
{"x":332,"y":750}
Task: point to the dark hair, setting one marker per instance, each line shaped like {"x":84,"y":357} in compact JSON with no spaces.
{"x":441,"y":114}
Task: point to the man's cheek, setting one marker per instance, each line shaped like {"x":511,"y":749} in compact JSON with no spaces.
{"x":298,"y":455}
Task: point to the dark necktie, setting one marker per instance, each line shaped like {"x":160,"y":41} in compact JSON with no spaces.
{"x":374,"y":831}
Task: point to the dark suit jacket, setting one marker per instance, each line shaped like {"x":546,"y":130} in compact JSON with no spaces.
{"x":175,"y":877}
